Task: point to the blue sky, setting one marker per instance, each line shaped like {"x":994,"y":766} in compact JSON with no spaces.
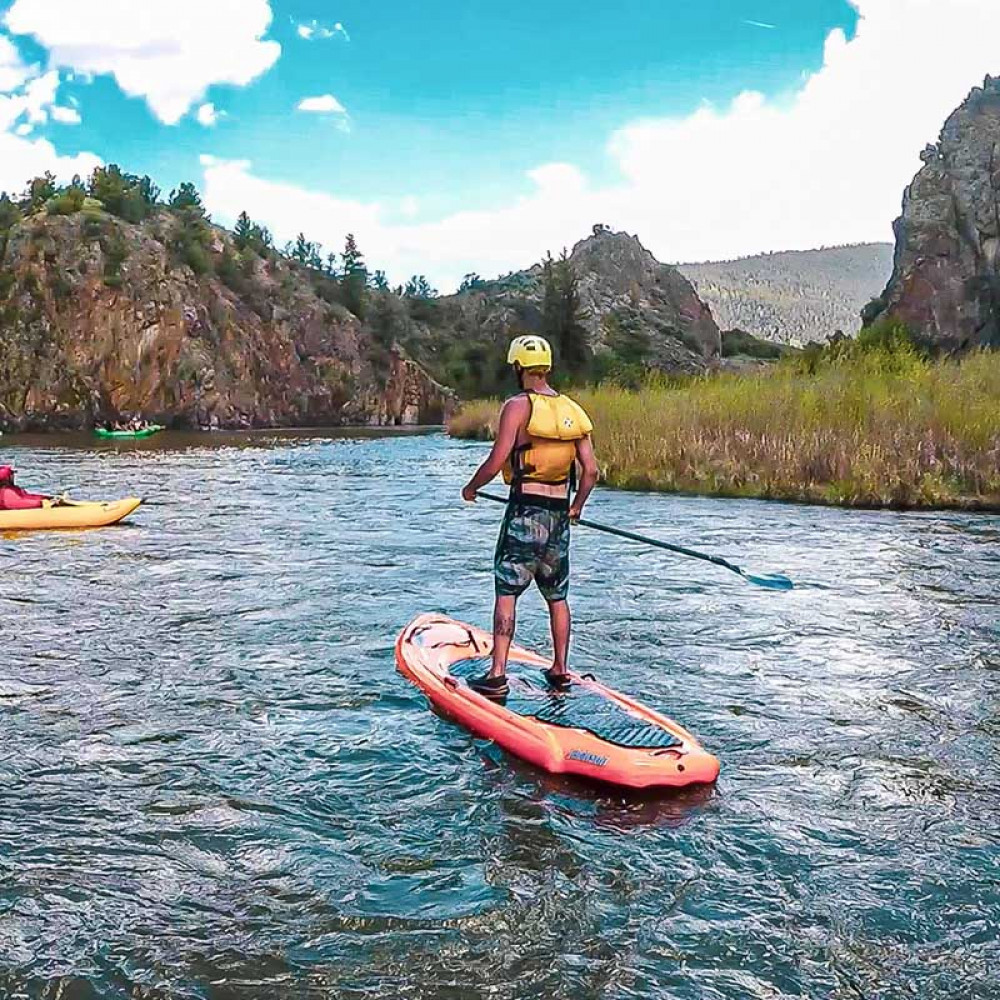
{"x":449,"y":123}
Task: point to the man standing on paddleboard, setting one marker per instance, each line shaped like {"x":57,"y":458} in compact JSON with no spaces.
{"x":542,"y":437}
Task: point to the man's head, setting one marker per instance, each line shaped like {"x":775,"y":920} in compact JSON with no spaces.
{"x":7,"y":475}
{"x":531,"y":356}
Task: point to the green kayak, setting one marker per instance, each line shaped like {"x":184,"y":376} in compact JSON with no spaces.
{"x":144,"y":433}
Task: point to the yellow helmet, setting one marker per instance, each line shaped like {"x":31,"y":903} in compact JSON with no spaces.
{"x":530,"y":352}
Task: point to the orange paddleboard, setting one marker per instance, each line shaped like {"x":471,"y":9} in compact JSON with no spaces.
{"x":589,"y":731}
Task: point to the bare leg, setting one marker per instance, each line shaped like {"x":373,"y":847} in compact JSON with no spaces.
{"x":504,"y":619}
{"x":561,"y":622}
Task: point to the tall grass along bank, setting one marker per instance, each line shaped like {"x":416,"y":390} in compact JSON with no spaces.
{"x":881,"y":428}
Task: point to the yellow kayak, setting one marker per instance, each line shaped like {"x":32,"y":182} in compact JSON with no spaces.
{"x":70,"y":515}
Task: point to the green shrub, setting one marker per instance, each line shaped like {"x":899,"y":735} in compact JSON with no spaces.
{"x":127,"y":196}
{"x":739,"y":343}
{"x":231,"y":273}
{"x":189,"y":245}
{"x":62,"y":287}
{"x":93,"y":227}
{"x":194,"y":255}
{"x":69,"y":201}
{"x":115,"y":254}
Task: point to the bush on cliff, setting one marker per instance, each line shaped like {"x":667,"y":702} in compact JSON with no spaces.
{"x":127,"y":196}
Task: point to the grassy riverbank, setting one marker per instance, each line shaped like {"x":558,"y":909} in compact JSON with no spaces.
{"x":859,"y":427}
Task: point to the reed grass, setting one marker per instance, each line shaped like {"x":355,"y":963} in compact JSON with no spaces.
{"x":876,"y":429}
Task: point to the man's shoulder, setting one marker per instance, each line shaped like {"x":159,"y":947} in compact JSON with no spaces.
{"x":520,"y":403}
{"x":516,"y":411}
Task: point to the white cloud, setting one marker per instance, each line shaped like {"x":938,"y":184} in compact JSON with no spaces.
{"x":169,"y":54}
{"x":313,"y":30}
{"x":68,"y":116}
{"x":326,"y":104}
{"x":22,"y":159}
{"x":13,"y":71}
{"x":826,"y":164}
{"x":231,"y":188}
{"x":39,"y":96}
{"x":520,"y":232}
{"x":208,"y":115}
{"x":31,"y":104}
{"x":28,"y":100}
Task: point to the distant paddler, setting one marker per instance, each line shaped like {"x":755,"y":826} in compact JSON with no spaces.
{"x":541,"y":439}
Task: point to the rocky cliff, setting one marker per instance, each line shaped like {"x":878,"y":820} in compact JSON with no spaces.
{"x":99,"y":318}
{"x":945,"y":284}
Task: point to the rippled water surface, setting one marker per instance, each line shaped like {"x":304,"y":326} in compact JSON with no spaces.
{"x":213,"y":783}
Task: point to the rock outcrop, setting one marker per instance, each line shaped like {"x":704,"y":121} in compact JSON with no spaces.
{"x":635,"y":312}
{"x":618,"y":275}
{"x":945,"y":284}
{"x":98,"y":320}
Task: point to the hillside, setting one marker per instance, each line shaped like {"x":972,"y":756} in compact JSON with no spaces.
{"x":122,"y":305}
{"x":794,"y":297}
{"x":116,"y":302}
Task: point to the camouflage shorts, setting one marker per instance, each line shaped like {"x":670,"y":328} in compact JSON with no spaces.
{"x":533,"y":545}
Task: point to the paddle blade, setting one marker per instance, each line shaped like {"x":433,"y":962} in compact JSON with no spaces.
{"x":774,"y":581}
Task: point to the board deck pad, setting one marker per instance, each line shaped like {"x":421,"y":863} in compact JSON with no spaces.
{"x":579,"y":708}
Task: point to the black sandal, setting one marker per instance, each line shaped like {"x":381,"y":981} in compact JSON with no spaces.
{"x":557,"y":681}
{"x":491,"y":687}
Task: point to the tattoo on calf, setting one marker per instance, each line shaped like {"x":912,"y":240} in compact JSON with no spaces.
{"x":504,"y":626}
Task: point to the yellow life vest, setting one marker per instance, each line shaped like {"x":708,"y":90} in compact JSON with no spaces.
{"x":555,"y":425}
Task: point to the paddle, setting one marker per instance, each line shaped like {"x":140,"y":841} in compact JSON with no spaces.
{"x":773,"y":581}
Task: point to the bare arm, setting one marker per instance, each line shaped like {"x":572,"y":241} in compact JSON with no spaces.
{"x":515,"y":413}
{"x":588,"y":461}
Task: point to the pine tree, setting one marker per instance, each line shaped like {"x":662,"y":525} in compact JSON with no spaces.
{"x":471,"y":282}
{"x":418,"y":287}
{"x":263,"y":240}
{"x":193,"y":236}
{"x":384,"y":321}
{"x":551,"y":312}
{"x":38,"y":192}
{"x":186,"y":199}
{"x":301,"y":250}
{"x":243,"y":233}
{"x":563,"y":315}
{"x":10,"y":214}
{"x":574,"y":343}
{"x":148,"y":191}
{"x":355,"y":277}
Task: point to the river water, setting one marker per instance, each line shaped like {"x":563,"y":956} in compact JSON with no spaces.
{"x":213,"y":783}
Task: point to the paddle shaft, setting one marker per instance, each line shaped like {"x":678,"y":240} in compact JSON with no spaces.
{"x":645,"y":539}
